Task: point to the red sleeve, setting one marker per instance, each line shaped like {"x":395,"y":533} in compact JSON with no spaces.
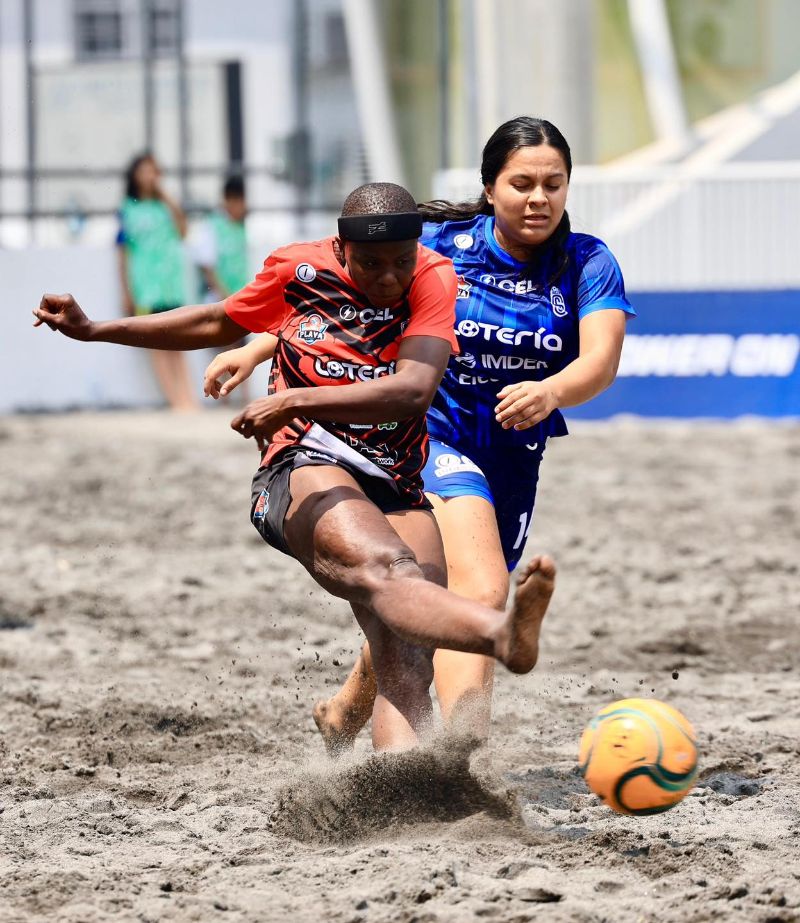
{"x":433,"y":300}
{"x":259,"y":306}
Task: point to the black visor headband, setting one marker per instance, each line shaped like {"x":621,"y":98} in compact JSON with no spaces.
{"x":377,"y":228}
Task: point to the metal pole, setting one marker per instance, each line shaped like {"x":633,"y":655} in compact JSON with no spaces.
{"x":1,"y":133}
{"x":300,"y":152}
{"x":147,"y":74}
{"x":662,"y":83}
{"x":27,"y":12}
{"x":472,"y":139}
{"x":183,"y":105}
{"x":444,"y":84}
{"x":486,"y":77}
{"x":368,"y":65}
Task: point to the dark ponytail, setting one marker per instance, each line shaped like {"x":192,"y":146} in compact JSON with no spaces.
{"x":440,"y":210}
{"x":523,"y":131}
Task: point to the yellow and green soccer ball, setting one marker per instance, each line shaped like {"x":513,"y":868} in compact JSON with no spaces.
{"x":639,"y":756}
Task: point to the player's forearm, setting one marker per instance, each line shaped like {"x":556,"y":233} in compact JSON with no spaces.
{"x":583,"y":379}
{"x":261,"y":348}
{"x":384,"y":400}
{"x":192,"y":327}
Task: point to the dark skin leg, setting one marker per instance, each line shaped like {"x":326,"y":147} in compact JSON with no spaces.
{"x":351,"y":550}
{"x":339,"y":727}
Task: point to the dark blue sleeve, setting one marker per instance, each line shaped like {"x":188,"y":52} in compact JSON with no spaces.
{"x":600,"y":283}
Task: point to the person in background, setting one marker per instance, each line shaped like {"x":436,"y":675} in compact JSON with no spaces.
{"x":151,"y":266}
{"x":220,"y":250}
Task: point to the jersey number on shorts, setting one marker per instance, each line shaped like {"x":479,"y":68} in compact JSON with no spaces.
{"x":524,"y":528}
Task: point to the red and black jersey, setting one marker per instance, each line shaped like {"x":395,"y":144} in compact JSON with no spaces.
{"x":329,"y":334}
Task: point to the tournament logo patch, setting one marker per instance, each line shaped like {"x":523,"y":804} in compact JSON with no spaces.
{"x":262,"y":505}
{"x":463,"y":241}
{"x":466,"y":359}
{"x":305,"y":272}
{"x":557,"y":302}
{"x":464,"y":287}
{"x":312,"y":330}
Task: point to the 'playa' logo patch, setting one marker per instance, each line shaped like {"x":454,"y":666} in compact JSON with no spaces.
{"x":312,"y":330}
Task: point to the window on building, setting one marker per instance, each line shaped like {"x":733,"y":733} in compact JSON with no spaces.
{"x":98,"y":29}
{"x":335,"y":40}
{"x":164,"y":26}
{"x":120,"y":28}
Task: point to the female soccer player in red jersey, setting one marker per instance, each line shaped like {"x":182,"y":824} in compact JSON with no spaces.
{"x":364,"y":324}
{"x":540,"y":317}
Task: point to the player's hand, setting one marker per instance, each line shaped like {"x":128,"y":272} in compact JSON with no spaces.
{"x":263,"y":417}
{"x":63,"y":313}
{"x":525,"y":404}
{"x":235,"y":363}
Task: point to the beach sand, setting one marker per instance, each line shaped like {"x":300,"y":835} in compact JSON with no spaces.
{"x":158,"y":664}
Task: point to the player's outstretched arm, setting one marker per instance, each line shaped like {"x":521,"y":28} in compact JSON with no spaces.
{"x":526,"y":403}
{"x":408,"y":393}
{"x":238,"y":363}
{"x":192,"y":327}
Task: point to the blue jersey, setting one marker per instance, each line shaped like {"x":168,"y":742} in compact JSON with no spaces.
{"x":512,"y":326}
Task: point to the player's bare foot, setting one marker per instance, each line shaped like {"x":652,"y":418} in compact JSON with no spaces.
{"x":337,"y":732}
{"x":518,"y":648}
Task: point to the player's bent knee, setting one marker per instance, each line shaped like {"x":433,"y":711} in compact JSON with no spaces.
{"x":491,"y":592}
{"x":359,"y":580}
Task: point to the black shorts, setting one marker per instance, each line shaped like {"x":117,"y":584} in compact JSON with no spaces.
{"x":271,"y":496}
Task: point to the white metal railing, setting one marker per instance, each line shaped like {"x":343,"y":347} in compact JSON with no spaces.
{"x":676,"y":229}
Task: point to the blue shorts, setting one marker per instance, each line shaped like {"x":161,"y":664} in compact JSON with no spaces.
{"x":506,"y":477}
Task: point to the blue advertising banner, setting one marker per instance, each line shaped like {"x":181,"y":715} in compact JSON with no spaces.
{"x":707,"y":354}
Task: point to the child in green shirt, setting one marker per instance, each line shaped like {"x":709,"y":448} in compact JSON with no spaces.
{"x":151,"y":265}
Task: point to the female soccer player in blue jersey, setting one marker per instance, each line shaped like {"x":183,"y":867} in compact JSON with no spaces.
{"x":540,"y":320}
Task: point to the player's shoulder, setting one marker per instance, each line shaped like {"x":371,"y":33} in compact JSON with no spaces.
{"x":586,"y":247}
{"x":428,"y":259}
{"x":432,"y":265}
{"x":455,"y":238}
{"x":303,"y":259}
